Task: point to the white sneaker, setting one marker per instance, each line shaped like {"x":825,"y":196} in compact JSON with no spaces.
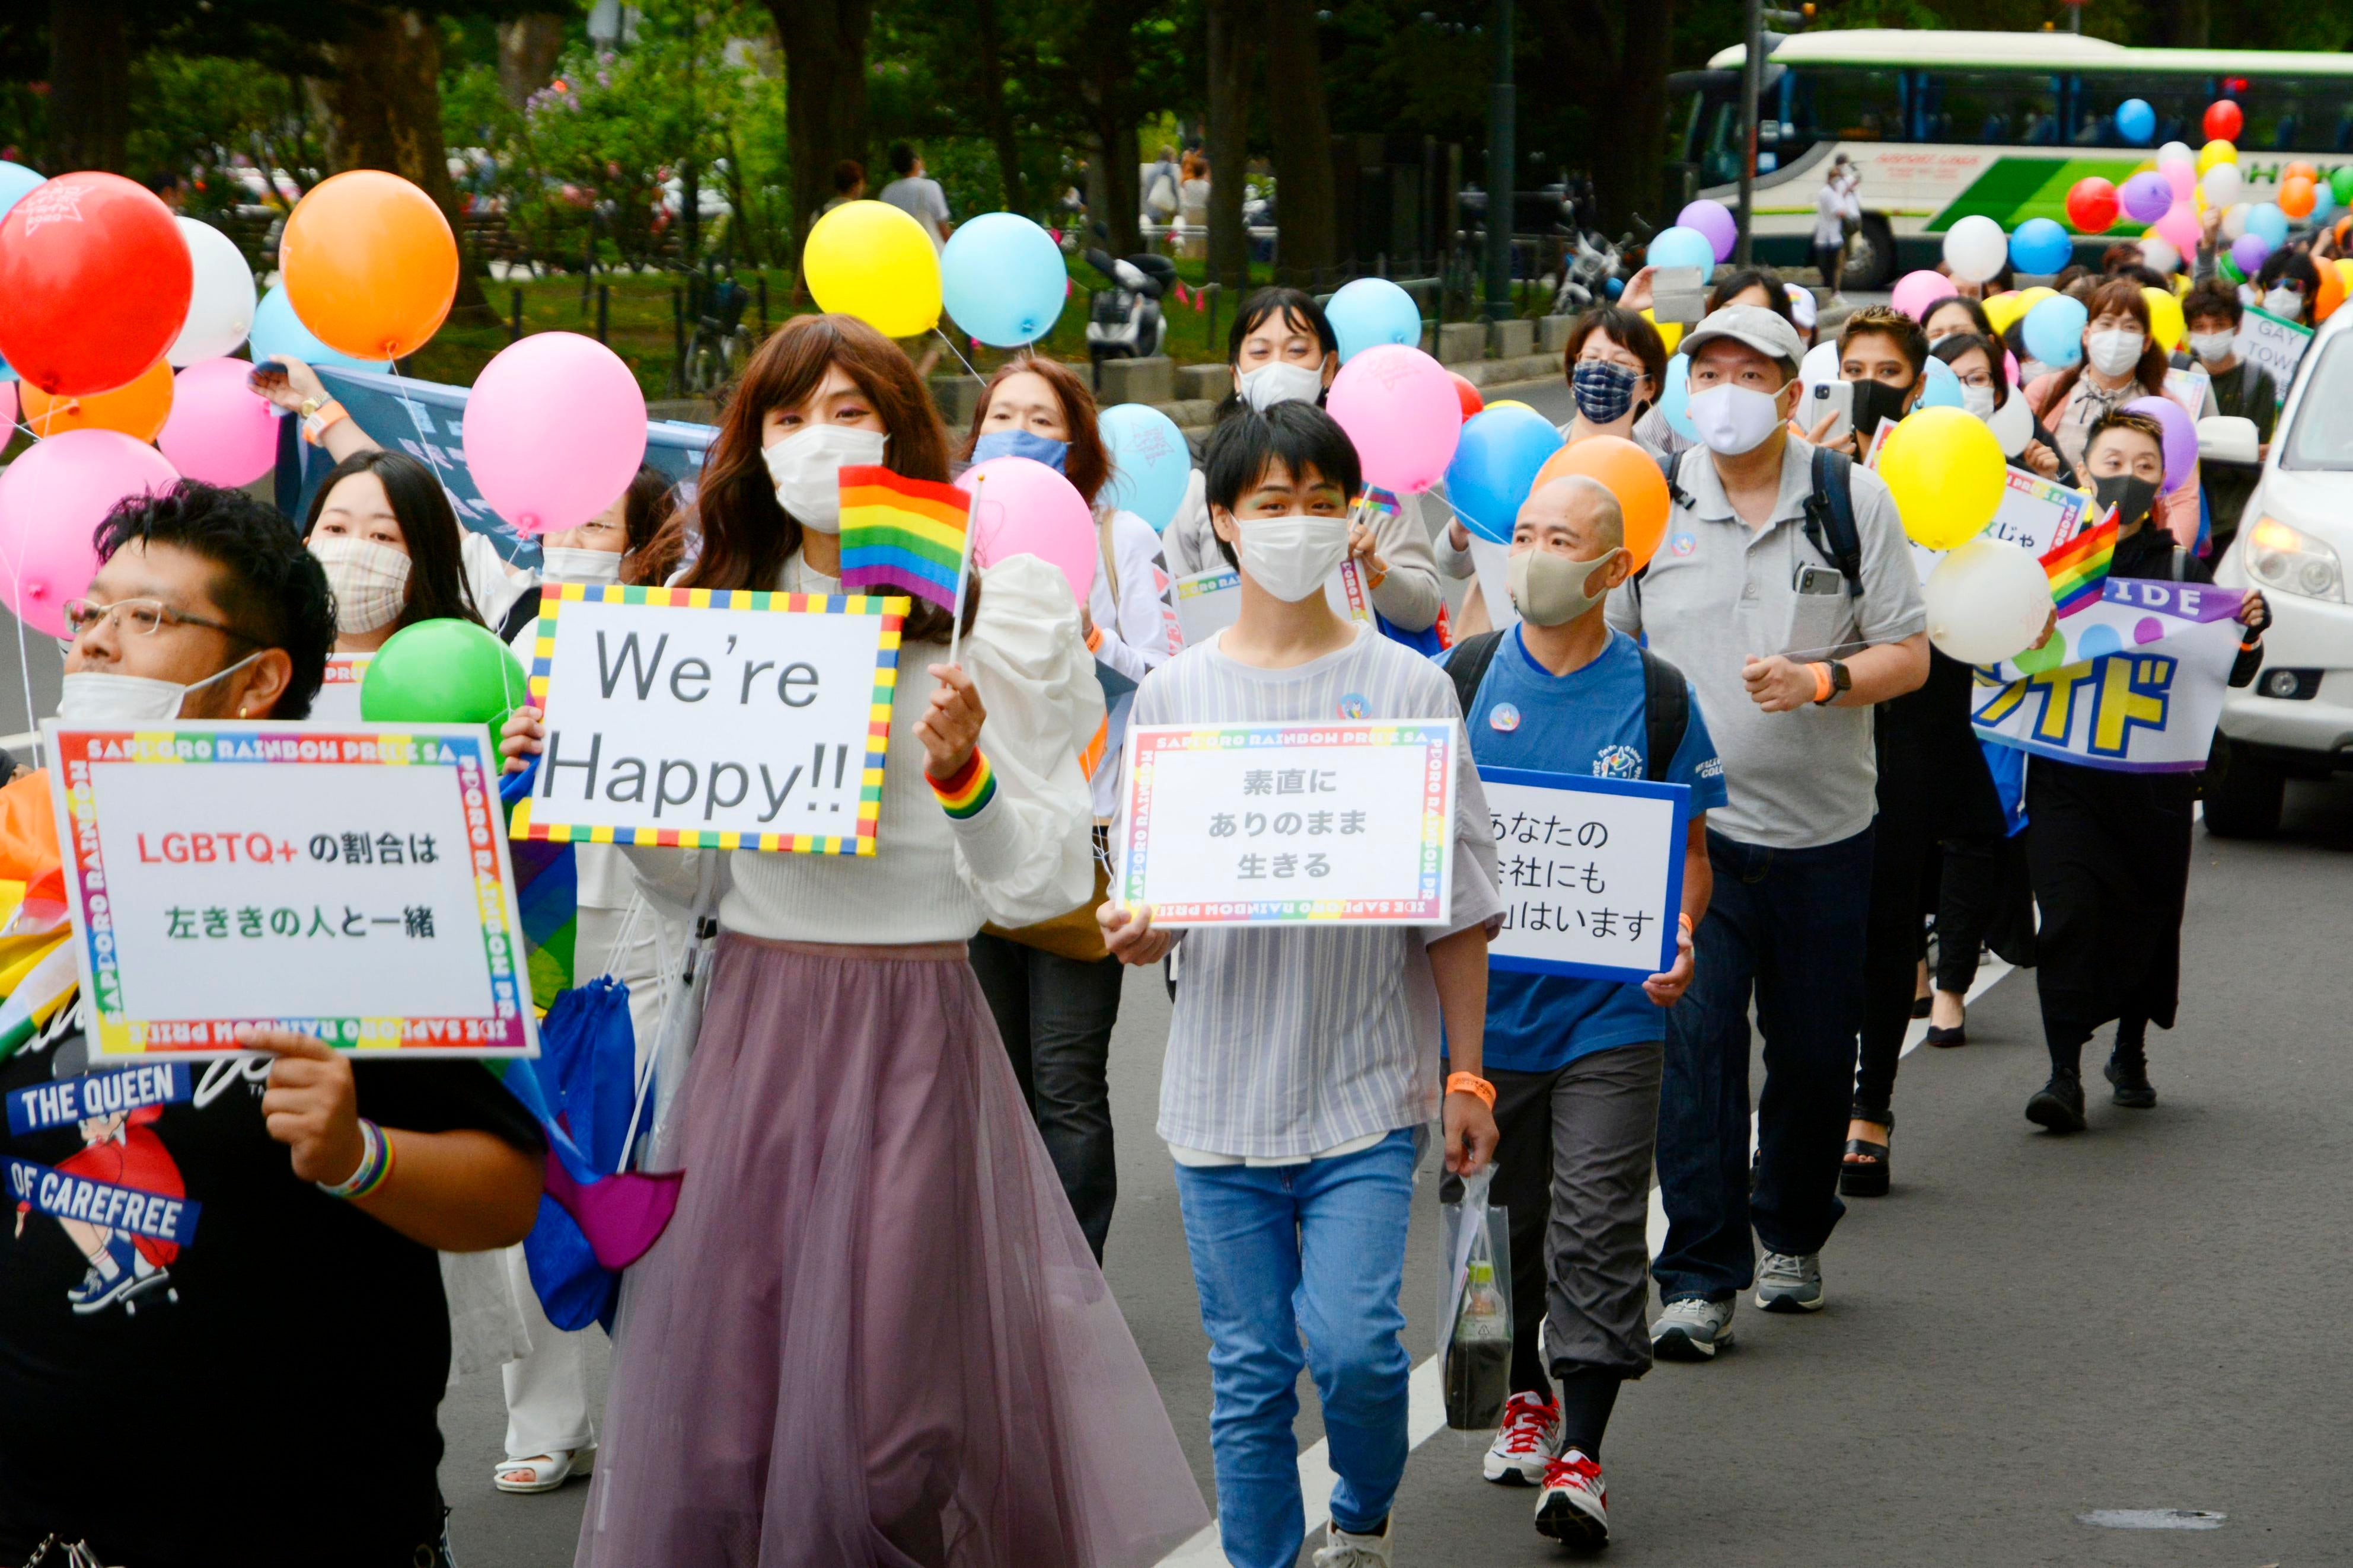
{"x":1342,"y":1550}
{"x":1525,"y":1442}
{"x":1692,"y":1330}
{"x":1575,"y":1508}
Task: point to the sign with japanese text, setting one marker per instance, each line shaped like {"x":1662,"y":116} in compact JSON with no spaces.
{"x":1591,"y":870}
{"x":1209,"y":602}
{"x":1260,"y":823}
{"x":348,"y":883}
{"x":2037,"y":514}
{"x":705,"y":718}
{"x":338,"y":702}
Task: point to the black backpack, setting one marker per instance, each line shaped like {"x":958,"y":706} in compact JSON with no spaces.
{"x":1829,"y":513}
{"x":1666,"y":700}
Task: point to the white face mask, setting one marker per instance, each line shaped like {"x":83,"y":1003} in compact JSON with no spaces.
{"x":806,"y":466}
{"x":1979,"y":401}
{"x":2286,"y":302}
{"x":559,"y":564}
{"x":1281,"y":382}
{"x":1734,"y":419}
{"x":2212,"y":347}
{"x":370,"y":581}
{"x":2114,"y":352}
{"x":93,"y":697}
{"x":1291,"y":556}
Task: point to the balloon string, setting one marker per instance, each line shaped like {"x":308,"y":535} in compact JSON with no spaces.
{"x":24,"y":659}
{"x":417,"y":424}
{"x":956,"y":350}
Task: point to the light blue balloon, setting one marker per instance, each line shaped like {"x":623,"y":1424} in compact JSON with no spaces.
{"x":1494,"y":466}
{"x":1150,"y":462}
{"x":2135,"y":120}
{"x":2054,"y":330}
{"x":1674,"y":403}
{"x":278,"y":331}
{"x":1943,"y":389}
{"x":1681,"y":247}
{"x":8,"y":372}
{"x":2267,"y":220}
{"x":1371,"y":311}
{"x":2324,"y":203}
{"x":2040,"y":246}
{"x":1003,"y":281}
{"x":16,"y":180}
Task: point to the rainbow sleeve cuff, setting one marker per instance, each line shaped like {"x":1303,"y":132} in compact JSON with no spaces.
{"x":964,"y":794}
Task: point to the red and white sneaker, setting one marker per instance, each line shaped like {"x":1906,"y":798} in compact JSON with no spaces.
{"x":1575,"y":1508}
{"x":1525,"y":1442}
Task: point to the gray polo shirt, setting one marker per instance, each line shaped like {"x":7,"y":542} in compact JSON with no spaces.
{"x":1718,"y":592}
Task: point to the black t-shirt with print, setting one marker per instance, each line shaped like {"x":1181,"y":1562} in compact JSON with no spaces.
{"x":203,"y":1359}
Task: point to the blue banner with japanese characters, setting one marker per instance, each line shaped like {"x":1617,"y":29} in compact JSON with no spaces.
{"x":1591,"y":871}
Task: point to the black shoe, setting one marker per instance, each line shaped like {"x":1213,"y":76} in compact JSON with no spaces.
{"x":2133,"y":1090}
{"x":1958,"y":1034}
{"x":2060,"y":1104}
{"x":1920,"y":1006}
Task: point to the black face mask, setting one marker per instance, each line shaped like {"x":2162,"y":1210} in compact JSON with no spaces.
{"x":1875,"y":401}
{"x":2130,"y":495}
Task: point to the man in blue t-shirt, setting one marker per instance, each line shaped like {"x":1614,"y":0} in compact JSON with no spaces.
{"x":1575,"y":1062}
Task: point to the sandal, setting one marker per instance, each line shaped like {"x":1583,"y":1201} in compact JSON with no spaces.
{"x":1868,"y":1175}
{"x":547,"y":1471}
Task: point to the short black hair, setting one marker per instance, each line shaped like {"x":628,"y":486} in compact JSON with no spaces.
{"x":1269,"y":303}
{"x":2210,"y":301}
{"x":1727,"y":284}
{"x":903,"y":159}
{"x":267,"y":586}
{"x":1299,"y":435}
{"x":848,"y":175}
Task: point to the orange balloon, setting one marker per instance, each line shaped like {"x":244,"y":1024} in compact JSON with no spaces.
{"x":138,"y":409}
{"x":2295,"y":195}
{"x":2331,"y":295}
{"x":369,"y":263}
{"x":2300,"y":169}
{"x":1631,"y":475}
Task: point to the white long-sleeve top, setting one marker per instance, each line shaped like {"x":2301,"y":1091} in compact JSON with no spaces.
{"x":1137,"y":633}
{"x":1409,"y":597}
{"x":1025,"y":855}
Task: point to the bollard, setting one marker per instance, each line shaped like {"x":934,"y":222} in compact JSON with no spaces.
{"x":604,"y":309}
{"x":514,"y":327}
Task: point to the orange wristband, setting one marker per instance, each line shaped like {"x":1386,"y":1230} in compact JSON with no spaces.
{"x":1821,"y":681}
{"x":1683,"y":921}
{"x":1471,"y":1083}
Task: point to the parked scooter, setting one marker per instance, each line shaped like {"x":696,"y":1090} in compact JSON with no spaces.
{"x":1125,"y":320}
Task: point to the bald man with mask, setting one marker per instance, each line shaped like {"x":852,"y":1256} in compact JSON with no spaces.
{"x":1575,"y":1062}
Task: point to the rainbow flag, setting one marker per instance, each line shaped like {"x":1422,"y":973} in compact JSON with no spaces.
{"x":903,"y":534}
{"x":2078,"y":568}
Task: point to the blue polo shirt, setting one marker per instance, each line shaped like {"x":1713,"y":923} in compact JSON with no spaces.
{"x":1591,"y":720}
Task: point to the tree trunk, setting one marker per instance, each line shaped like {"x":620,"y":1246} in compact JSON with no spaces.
{"x":89,"y":85}
{"x":1232,"y":53}
{"x":1117,"y":151}
{"x":1305,"y":201}
{"x":528,"y":50}
{"x":824,"y":95}
{"x":989,"y":40}
{"x":1618,"y":59}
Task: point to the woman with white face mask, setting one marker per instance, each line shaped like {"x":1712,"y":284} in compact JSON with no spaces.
{"x":381,"y":525}
{"x":2122,"y":361}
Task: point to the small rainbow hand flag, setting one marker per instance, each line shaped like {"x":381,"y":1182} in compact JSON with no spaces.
{"x":902,"y":534}
{"x":2078,"y":568}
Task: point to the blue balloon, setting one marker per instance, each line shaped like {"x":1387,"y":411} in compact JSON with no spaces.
{"x":2054,"y":330}
{"x":1943,"y":389}
{"x":1150,"y":462}
{"x":2267,"y":220}
{"x":1674,"y":403}
{"x":8,"y":372}
{"x":2135,"y":120}
{"x":1003,"y":281}
{"x":1371,"y":311}
{"x":1613,"y":286}
{"x":2040,"y":246}
{"x":16,"y":180}
{"x":278,"y":331}
{"x":1681,"y":247}
{"x":1495,"y":466}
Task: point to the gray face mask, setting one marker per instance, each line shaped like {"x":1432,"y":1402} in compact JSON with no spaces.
{"x":1551,"y":590}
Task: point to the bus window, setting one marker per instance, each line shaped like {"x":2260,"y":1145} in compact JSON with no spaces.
{"x":2179,"y":101}
{"x":1846,"y":103}
{"x":2002,"y":109}
{"x":2290,"y":114}
{"x":1710,"y":140}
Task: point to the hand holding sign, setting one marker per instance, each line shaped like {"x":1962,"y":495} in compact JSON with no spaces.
{"x":312,"y":1106}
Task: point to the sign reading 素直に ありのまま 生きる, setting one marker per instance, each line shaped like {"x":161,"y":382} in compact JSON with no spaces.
{"x":711,"y":718}
{"x":1591,"y":870}
{"x":351,"y":883}
{"x":1235,"y":823}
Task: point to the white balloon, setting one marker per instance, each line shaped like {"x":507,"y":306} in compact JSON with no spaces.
{"x":2157,"y":252}
{"x":1821,"y":364}
{"x":1975,"y":248}
{"x":2011,"y":424}
{"x":2234,"y":220}
{"x":1987,"y":601}
{"x":2176,"y":153}
{"x":220,"y":308}
{"x":2223,"y":184}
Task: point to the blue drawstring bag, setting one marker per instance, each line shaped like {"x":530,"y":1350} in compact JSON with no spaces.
{"x":587,"y":1080}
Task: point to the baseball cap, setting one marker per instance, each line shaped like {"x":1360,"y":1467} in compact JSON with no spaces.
{"x":1754,"y":325}
{"x":1801,"y":306}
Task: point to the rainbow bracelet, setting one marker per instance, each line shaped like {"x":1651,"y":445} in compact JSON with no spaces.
{"x":969,"y":790}
{"x":375,"y":1167}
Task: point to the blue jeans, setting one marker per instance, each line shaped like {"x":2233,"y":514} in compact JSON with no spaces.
{"x":1291,"y":1251}
{"x":1789,"y":924}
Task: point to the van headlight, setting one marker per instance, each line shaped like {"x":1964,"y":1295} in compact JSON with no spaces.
{"x":2292,"y":562}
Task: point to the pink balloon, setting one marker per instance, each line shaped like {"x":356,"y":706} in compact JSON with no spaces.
{"x":2182,"y":177}
{"x":51,"y":499}
{"x":1400,"y":408}
{"x":1022,"y":507}
{"x":555,"y":431}
{"x":1915,"y":291}
{"x":2010,"y":366}
{"x":218,"y":431}
{"x":2179,"y":228}
{"x":7,"y":403}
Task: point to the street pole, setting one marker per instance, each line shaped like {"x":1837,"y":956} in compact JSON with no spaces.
{"x":1752,"y":84}
{"x":1502,"y":114}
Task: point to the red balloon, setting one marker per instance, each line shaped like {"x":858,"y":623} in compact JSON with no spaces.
{"x":2224,"y":120}
{"x":1467,"y":394}
{"x":97,"y":281}
{"x":2092,"y":205}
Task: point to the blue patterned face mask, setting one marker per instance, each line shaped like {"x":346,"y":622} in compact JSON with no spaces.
{"x":1021,"y":444}
{"x":1603,"y":391}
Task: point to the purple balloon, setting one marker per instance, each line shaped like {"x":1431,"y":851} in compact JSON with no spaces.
{"x":1714,"y":220}
{"x":2146,"y":195}
{"x":2180,"y":435}
{"x":2251,"y":251}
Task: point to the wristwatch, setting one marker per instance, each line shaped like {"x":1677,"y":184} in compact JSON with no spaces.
{"x":1840,"y":681}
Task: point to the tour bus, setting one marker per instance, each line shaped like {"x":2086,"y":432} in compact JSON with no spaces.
{"x":1944,"y":124}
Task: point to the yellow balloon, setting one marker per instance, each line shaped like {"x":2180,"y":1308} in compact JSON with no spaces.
{"x":1946,"y":471}
{"x":2165,"y":321}
{"x":2345,"y":271}
{"x":2003,"y":309}
{"x":1669,"y":332}
{"x":2216,"y":151}
{"x":1508,"y":403}
{"x":871,"y":260}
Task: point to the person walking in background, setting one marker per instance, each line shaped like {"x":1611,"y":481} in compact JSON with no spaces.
{"x":1194,"y":195}
{"x":2239,"y":388}
{"x":1164,"y":190}
{"x":849,"y":186}
{"x":1836,"y":205}
{"x":2122,"y":362}
{"x":921,"y":198}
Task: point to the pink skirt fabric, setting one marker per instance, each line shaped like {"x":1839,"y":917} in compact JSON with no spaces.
{"x":873,"y":1333}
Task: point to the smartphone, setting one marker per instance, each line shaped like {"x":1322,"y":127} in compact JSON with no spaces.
{"x":1835,"y":398}
{"x":1819,"y":580}
{"x":1678,"y":294}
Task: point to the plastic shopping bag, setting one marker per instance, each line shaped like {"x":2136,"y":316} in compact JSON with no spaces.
{"x":1475,"y":1315}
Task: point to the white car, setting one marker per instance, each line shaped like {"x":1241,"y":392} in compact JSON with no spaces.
{"x":2296,"y":719}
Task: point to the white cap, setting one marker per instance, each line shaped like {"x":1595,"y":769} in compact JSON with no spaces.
{"x":1801,"y":306}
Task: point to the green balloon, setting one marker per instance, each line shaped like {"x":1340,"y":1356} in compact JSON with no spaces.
{"x":2341,"y":182}
{"x":443,"y":672}
{"x":2034,"y":660}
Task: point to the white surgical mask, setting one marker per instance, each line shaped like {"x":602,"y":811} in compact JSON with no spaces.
{"x":1291,"y":556}
{"x":1734,"y":419}
{"x":559,"y":563}
{"x":1281,"y":381}
{"x":2212,"y":347}
{"x":1979,"y":401}
{"x":2286,"y":302}
{"x":370,"y":581}
{"x":806,"y":466}
{"x":94,"y":697}
{"x":1551,"y":590}
{"x":2115,"y":352}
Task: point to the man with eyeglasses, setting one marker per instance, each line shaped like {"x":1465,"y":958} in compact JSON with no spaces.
{"x":225,"y":1261}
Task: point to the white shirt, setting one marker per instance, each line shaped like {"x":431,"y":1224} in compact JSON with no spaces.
{"x":922,"y":200}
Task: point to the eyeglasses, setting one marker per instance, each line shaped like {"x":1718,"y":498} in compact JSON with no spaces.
{"x":140,"y":617}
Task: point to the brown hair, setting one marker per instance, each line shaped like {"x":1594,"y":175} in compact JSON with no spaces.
{"x":2122,"y":420}
{"x":1629,"y":332}
{"x":2116,"y":294}
{"x":1088,"y":466}
{"x":1910,"y":337}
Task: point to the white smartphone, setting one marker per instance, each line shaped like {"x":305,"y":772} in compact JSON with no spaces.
{"x":1835,"y":398}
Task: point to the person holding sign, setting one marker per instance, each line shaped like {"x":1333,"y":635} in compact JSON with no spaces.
{"x":873,"y":1324}
{"x":1576,"y":1061}
{"x":2109,"y":850}
{"x":161,"y":1210}
{"x":1303,"y":1065}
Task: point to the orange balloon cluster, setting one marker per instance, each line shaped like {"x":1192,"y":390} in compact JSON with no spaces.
{"x":138,"y":408}
{"x":2296,"y":195}
{"x":2332,"y":291}
{"x":370,"y":264}
{"x":1631,"y":474}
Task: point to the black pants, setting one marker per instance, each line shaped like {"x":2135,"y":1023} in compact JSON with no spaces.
{"x":1826,"y":261}
{"x":1901,"y":854}
{"x":1984,"y":899}
{"x":1056,"y":1015}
